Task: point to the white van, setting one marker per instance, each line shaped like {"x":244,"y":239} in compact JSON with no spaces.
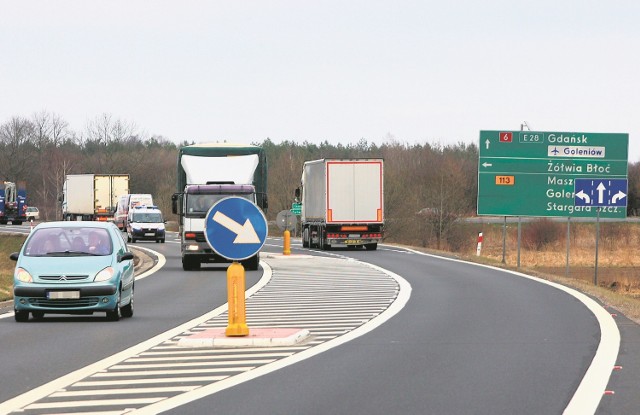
{"x":125,"y":203}
{"x":145,"y":223}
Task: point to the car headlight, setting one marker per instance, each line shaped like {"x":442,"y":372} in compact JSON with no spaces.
{"x":136,"y":228}
{"x":161,"y":227}
{"x":104,"y":275}
{"x":23,"y":275}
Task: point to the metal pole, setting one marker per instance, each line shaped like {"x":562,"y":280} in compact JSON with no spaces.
{"x":595,"y":276}
{"x":568,"y":244}
{"x":519,"y":234}
{"x":504,"y":240}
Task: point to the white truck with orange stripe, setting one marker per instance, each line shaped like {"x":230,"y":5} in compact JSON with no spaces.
{"x":92,"y":196}
{"x":342,"y":203}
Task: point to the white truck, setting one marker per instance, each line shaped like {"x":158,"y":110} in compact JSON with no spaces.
{"x":92,"y":196}
{"x":208,"y":173}
{"x":342,"y":203}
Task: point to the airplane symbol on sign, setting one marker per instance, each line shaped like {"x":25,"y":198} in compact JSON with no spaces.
{"x":555,"y":151}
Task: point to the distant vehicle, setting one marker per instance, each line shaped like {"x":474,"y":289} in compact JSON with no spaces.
{"x":73,"y":268}
{"x":208,"y":173}
{"x":145,"y":223}
{"x":32,"y":213}
{"x":342,"y":203}
{"x":127,"y":202}
{"x":13,"y":197}
{"x":92,"y":196}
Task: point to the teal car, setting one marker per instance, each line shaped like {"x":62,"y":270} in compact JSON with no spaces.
{"x":73,"y":268}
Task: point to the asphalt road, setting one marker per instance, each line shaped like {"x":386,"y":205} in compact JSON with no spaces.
{"x":470,"y":340}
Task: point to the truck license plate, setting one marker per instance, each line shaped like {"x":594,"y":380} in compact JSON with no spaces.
{"x":63,"y":295}
{"x":353,"y":241}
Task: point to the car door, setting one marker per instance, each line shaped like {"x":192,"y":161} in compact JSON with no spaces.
{"x":126,"y":266}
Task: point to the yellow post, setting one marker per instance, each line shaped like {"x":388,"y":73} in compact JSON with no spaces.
{"x":286,"y":249}
{"x":237,"y":308}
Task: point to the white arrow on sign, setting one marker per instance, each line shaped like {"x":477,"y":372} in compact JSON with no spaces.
{"x":582,"y":195}
{"x":485,"y":164}
{"x":618,"y":196}
{"x":487,"y":143}
{"x":601,"y":188}
{"x":246,"y":233}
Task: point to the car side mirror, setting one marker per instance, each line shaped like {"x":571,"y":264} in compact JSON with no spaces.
{"x":125,"y":257}
{"x":14,"y":256}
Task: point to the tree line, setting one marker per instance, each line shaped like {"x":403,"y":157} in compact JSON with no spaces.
{"x":427,"y":186}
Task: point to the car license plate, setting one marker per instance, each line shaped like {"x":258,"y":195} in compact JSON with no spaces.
{"x":353,"y":241}
{"x":63,"y":295}
{"x":149,"y":234}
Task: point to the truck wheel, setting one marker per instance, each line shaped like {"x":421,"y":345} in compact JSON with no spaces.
{"x":251,"y":263}
{"x":371,"y":247}
{"x":305,"y":238}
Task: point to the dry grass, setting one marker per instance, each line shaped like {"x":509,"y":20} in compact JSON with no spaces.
{"x":8,"y":244}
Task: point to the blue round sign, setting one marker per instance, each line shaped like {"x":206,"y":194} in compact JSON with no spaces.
{"x":235,"y":228}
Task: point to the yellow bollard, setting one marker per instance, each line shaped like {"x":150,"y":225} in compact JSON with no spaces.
{"x":237,"y":308}
{"x":286,"y":249}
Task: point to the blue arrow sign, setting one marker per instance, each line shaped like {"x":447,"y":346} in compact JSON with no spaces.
{"x":600,"y":192}
{"x":235,"y":228}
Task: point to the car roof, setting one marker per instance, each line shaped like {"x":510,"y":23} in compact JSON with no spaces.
{"x":75,"y":224}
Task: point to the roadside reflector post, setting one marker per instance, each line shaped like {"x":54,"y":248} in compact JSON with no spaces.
{"x":286,"y":249}
{"x":479,"y":247}
{"x":237,"y":306}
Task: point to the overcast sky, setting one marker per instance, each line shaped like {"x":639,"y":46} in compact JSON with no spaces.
{"x":242,"y":71}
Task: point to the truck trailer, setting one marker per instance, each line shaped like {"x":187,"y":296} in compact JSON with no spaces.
{"x":342,"y":203}
{"x":92,"y":196}
{"x":13,"y":207}
{"x":206,"y":174}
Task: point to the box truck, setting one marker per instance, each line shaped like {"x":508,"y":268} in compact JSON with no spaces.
{"x":208,"y":173}
{"x":13,"y":203}
{"x":342,"y":203}
{"x":92,"y":196}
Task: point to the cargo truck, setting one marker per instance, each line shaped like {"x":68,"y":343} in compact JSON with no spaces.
{"x":92,"y":196}
{"x":342,"y":203}
{"x":208,"y":173}
{"x":13,"y":207}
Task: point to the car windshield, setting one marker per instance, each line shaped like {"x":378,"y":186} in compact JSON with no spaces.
{"x":69,"y":241}
{"x":147,"y":217}
{"x":198,"y":205}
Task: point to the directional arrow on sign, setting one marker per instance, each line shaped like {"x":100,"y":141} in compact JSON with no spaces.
{"x":485,"y":164}
{"x":601,"y":188}
{"x":582,"y":195}
{"x":618,"y":196}
{"x":487,"y":143}
{"x":246,"y":233}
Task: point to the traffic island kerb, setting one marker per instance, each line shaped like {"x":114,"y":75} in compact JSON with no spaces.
{"x":257,"y":337}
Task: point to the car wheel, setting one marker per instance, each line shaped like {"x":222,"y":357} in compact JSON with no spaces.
{"x":114,"y":315}
{"x":157,"y":241}
{"x":128,"y":238}
{"x":38,"y":315}
{"x":127,"y":311}
{"x":21,"y":316}
{"x":162,"y":240}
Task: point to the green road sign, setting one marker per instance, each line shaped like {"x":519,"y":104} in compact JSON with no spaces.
{"x":296,"y":208}
{"x":532,"y":173}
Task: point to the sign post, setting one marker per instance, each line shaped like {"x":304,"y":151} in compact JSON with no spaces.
{"x":235,"y":229}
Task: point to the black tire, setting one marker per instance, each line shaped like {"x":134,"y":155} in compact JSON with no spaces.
{"x":371,"y":247}
{"x":157,"y":241}
{"x":190,"y":265}
{"x":305,"y":238}
{"x":162,"y":240}
{"x":127,"y":310}
{"x":128,"y":238}
{"x":114,"y":315}
{"x":251,"y":264}
{"x":21,"y":316}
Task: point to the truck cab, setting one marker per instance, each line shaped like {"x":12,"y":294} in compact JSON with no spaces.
{"x":192,"y":206}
